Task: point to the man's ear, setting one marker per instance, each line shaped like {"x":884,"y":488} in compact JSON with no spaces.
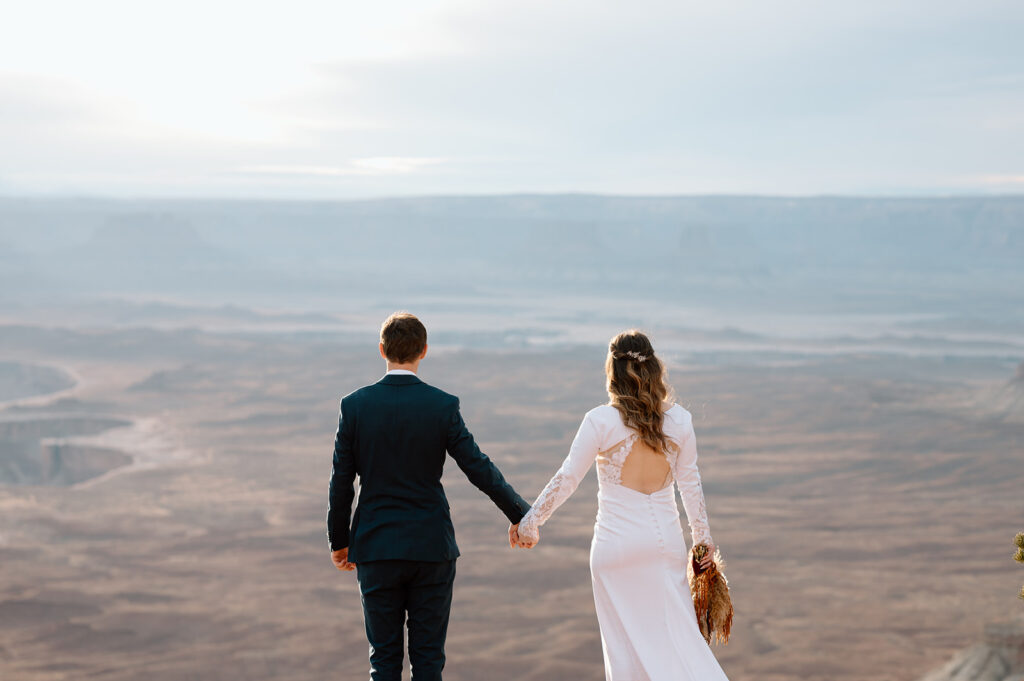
{"x":382,"y":352}
{"x":424,"y":350}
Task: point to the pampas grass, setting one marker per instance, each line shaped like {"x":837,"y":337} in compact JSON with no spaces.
{"x":710,"y":591}
{"x":1019,"y":556}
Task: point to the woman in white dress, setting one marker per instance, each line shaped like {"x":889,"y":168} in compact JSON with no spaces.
{"x":644,"y":446}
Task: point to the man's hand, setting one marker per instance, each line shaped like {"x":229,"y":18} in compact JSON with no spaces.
{"x":515,"y":540}
{"x":340,"y":560}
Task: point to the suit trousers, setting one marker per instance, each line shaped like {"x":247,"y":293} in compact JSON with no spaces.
{"x":399,"y":592}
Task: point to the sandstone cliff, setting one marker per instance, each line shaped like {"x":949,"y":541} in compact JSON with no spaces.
{"x":999,"y":657}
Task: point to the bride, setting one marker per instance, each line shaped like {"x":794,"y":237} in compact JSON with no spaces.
{"x":642,"y":444}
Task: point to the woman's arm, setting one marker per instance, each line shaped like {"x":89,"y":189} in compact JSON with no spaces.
{"x":687,"y":477}
{"x":581,"y":457}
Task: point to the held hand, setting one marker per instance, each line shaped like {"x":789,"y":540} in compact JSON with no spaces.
{"x":340,"y":560}
{"x":515,"y":540}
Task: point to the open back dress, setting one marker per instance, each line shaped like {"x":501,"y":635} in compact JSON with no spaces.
{"x":649,"y":629}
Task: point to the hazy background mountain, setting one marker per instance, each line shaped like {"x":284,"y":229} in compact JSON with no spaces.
{"x":953,"y":256}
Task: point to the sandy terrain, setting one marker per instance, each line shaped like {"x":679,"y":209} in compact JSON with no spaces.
{"x":865,"y":505}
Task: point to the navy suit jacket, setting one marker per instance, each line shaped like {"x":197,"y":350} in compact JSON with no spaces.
{"x":394,"y":435}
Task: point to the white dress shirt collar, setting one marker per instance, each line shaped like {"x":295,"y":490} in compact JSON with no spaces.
{"x":400,"y":372}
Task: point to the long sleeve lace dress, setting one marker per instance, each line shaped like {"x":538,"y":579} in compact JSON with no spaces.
{"x":649,"y":630}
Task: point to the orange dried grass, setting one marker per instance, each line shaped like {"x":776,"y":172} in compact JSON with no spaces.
{"x":710,"y":591}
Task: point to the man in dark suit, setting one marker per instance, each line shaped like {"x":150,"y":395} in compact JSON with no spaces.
{"x":394,"y":435}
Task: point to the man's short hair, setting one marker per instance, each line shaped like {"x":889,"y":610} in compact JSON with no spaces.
{"x":404,"y":337}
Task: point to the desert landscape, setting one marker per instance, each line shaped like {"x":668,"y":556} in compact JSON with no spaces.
{"x":164,"y":460}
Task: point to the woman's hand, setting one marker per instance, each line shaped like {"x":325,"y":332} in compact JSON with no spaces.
{"x":709,"y":558}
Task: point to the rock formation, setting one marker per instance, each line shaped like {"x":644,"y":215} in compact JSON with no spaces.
{"x":999,"y":657}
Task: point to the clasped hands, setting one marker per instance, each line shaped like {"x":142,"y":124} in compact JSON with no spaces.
{"x":515,"y":541}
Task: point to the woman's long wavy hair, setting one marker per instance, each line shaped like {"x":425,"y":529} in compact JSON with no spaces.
{"x":637,"y":387}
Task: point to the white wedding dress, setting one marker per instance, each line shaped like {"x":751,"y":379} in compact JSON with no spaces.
{"x":638,"y":557}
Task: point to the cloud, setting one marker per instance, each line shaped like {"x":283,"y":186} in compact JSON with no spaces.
{"x":792,"y":97}
{"x":810,"y":100}
{"x":998,"y":183}
{"x":383,"y":165}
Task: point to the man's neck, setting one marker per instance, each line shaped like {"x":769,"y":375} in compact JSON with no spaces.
{"x":404,"y":367}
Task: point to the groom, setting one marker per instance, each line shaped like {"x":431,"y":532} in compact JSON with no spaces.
{"x":394,"y":435}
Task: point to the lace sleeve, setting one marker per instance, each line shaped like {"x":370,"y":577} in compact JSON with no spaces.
{"x":687,"y":478}
{"x":581,"y":457}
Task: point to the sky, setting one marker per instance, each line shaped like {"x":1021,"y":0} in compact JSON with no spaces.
{"x":340,"y":99}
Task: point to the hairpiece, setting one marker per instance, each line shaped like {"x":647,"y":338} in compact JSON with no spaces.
{"x":636,"y":355}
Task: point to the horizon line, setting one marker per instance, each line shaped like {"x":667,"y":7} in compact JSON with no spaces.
{"x":122,"y":198}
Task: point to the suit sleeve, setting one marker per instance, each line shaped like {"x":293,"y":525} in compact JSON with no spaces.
{"x":480,"y":470}
{"x":342,"y":490}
